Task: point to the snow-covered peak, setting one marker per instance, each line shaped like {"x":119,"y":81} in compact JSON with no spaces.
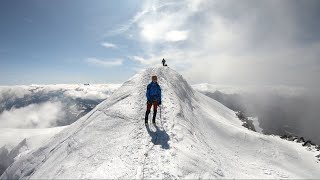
{"x":195,"y":137}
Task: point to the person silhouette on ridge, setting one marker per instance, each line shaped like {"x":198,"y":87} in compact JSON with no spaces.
{"x":164,"y":62}
{"x":153,"y":99}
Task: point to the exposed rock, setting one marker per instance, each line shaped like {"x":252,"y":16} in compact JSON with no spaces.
{"x":301,"y":140}
{"x":318,"y":156}
{"x":246,"y":122}
{"x":295,"y":138}
{"x":308,"y":143}
{"x":290,"y":138}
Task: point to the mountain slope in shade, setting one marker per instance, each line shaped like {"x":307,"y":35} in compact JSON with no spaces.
{"x":196,"y":137}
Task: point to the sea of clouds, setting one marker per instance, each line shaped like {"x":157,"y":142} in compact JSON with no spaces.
{"x":43,"y":106}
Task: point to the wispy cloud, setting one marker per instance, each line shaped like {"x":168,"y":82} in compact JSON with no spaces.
{"x":140,"y":60}
{"x":125,"y":27}
{"x":104,"y":63}
{"x":108,"y":45}
{"x":150,"y":60}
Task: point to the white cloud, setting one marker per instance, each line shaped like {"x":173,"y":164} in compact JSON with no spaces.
{"x":94,"y":92}
{"x":141,"y":60}
{"x":13,"y":92}
{"x":156,"y":25}
{"x":156,"y":59}
{"x":32,"y":116}
{"x":56,"y":109}
{"x":176,"y":36}
{"x":108,"y":45}
{"x":157,"y":30}
{"x":263,"y":42}
{"x":104,"y":63}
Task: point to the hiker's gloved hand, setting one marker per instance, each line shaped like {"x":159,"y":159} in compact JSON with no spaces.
{"x":149,"y":102}
{"x":159,"y":102}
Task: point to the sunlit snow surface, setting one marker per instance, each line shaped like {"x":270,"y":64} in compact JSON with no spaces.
{"x":196,"y":137}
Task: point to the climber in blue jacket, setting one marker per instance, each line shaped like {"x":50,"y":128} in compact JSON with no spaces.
{"x":153,"y":98}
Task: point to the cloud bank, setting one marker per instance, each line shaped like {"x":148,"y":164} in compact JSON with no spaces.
{"x":32,"y":116}
{"x":40,"y":106}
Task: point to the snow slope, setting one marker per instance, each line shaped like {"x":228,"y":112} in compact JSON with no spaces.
{"x":196,"y":137}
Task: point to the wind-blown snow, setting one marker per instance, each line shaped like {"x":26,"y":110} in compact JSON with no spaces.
{"x":196,"y":137}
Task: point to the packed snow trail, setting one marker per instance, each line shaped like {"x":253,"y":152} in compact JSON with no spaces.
{"x":196,"y":137}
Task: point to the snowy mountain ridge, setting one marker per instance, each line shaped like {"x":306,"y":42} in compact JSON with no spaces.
{"x":196,"y":137}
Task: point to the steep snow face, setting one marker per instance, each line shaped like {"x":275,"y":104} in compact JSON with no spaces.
{"x":196,"y":137}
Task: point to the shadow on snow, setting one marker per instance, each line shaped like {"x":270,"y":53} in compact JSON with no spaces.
{"x":159,"y":137}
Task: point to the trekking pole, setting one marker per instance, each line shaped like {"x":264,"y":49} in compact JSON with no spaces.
{"x":160,"y":112}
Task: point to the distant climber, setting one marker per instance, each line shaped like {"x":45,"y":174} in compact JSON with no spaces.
{"x":164,"y":62}
{"x":153,"y":99}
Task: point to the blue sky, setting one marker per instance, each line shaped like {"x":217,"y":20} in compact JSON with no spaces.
{"x":267,"y":42}
{"x":48,"y":41}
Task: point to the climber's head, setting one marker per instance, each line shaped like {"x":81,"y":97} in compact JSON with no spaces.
{"x":154,"y":79}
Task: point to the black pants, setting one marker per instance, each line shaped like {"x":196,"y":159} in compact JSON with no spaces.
{"x":155,"y":107}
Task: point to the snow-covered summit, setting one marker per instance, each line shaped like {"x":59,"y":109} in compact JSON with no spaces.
{"x":196,"y":137}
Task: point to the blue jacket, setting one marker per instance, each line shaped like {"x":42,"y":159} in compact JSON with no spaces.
{"x":154,"y":92}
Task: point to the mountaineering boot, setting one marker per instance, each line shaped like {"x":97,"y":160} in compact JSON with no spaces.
{"x":154,"y":117}
{"x":146,"y":117}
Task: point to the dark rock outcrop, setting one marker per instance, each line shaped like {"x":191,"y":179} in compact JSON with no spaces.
{"x":308,"y":143}
{"x":246,"y":122}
